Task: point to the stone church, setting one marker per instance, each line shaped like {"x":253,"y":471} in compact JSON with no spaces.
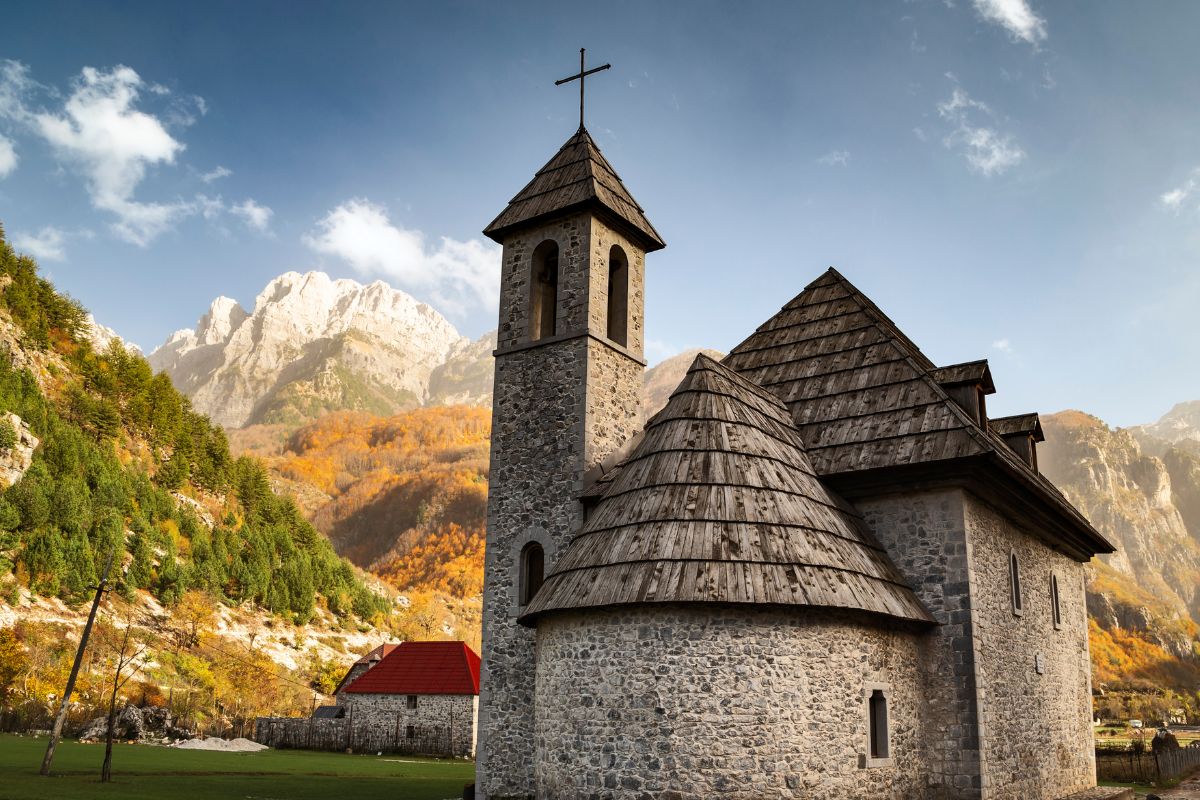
{"x":820,"y":571}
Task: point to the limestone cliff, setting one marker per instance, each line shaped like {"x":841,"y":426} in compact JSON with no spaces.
{"x":1150,"y":507}
{"x":311,"y":345}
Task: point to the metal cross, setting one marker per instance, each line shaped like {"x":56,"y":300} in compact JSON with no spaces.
{"x":583,"y":73}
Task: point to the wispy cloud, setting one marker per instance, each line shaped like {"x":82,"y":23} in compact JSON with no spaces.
{"x":48,"y":244}
{"x":1175,"y":199}
{"x":455,"y":275}
{"x":99,"y":129}
{"x":835,"y":158}
{"x":216,"y":174}
{"x":254,"y":215}
{"x":8,"y":157}
{"x":986,"y":150}
{"x":1003,"y":345}
{"x":1015,"y":16}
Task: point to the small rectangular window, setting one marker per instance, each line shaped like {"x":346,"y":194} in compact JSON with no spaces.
{"x":879,"y":743}
{"x":1055,"y":608}
{"x":879,"y":724}
{"x":410,"y":732}
{"x":412,"y":701}
{"x":1014,"y":581}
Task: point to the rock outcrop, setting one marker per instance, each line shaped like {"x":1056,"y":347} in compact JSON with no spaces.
{"x":16,"y":457}
{"x":133,"y":724}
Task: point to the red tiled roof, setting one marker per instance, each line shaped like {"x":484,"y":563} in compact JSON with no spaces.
{"x":422,"y":668}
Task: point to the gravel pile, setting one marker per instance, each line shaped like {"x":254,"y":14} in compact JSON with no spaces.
{"x":224,"y":745}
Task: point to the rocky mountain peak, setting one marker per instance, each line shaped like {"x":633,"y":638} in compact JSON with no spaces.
{"x":312,"y":344}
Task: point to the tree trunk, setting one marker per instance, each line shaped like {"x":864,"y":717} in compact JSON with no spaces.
{"x":106,"y":770}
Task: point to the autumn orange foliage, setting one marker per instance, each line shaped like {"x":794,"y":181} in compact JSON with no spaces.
{"x":407,"y":494}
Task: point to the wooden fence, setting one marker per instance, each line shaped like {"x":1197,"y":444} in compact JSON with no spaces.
{"x":1145,"y":767}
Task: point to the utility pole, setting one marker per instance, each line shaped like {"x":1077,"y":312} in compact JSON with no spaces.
{"x":101,"y":588}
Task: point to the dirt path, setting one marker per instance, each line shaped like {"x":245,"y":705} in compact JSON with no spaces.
{"x":1188,"y":790}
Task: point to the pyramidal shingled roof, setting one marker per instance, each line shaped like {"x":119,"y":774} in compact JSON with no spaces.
{"x":864,"y":397}
{"x":861,"y":393}
{"x":718,"y":503}
{"x":578,"y":176}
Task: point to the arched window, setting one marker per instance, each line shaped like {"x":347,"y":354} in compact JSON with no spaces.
{"x":618,"y":296}
{"x":878,"y":711}
{"x":543,"y":287}
{"x":1014,"y":580}
{"x":533,"y":566}
{"x":1055,"y":609}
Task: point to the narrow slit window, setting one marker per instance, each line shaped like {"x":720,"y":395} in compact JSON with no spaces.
{"x":1014,"y":579}
{"x":533,"y":565}
{"x":1055,"y":608}
{"x":618,"y":296}
{"x":543,"y":287}
{"x":878,"y":710}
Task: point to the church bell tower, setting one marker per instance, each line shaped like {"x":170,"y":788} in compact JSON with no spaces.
{"x":568,"y":393}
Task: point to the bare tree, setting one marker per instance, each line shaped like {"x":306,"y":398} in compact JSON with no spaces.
{"x":129,"y":651}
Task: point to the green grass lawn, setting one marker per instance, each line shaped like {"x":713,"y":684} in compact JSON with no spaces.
{"x":144,"y":772}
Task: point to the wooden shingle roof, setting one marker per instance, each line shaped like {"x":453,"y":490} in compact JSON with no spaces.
{"x":861,"y":393}
{"x":1030,"y":424}
{"x":718,"y":503}
{"x":578,"y":176}
{"x":867,"y":400}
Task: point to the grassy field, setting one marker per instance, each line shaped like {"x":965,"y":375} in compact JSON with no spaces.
{"x":144,"y":772}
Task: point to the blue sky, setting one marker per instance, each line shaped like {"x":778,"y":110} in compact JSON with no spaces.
{"x":1009,"y":179}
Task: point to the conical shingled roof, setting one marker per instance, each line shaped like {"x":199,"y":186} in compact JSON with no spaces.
{"x":579,"y":175}
{"x":718,"y":503}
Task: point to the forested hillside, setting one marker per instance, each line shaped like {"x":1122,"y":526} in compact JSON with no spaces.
{"x":106,"y":459}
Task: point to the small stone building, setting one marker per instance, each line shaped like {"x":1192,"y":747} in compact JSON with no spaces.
{"x":421,"y":697}
{"x":821,"y":571}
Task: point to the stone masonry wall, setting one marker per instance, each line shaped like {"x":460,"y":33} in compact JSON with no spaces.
{"x":925,"y":535}
{"x":560,"y":406}
{"x":1036,"y":728}
{"x":442,"y":724}
{"x":537,"y":450}
{"x":674,"y":702}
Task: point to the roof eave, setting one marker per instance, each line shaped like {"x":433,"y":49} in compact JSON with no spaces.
{"x":1056,"y":522}
{"x":649,"y":240}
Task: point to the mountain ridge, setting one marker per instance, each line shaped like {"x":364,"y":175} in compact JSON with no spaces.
{"x":313,"y":344}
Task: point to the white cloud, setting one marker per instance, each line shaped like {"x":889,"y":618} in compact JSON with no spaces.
{"x":112,"y":144}
{"x":1003,"y":345}
{"x":1015,"y":16}
{"x":45,"y":245}
{"x":255,"y":216}
{"x":1174,"y":199}
{"x":100,"y":132}
{"x":986,"y":150}
{"x":8,"y":157}
{"x":455,"y":275}
{"x":835,"y":158}
{"x":216,"y":174}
